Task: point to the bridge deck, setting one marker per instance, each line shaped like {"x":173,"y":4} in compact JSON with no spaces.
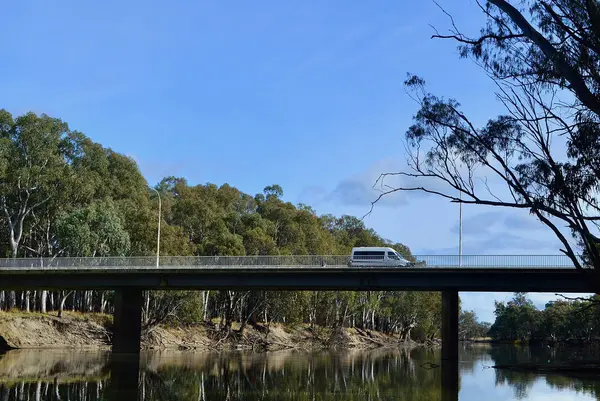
{"x":304,"y":272}
{"x":304,"y":278}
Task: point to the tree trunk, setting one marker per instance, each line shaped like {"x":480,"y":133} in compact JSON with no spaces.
{"x":62,"y":303}
{"x":101,"y":308}
{"x":89,"y":306}
{"x":5,"y":395}
{"x":146,"y":307}
{"x":205,"y":299}
{"x":38,"y":390}
{"x":57,"y":396}
{"x":26,"y":299}
{"x":76,"y":297}
{"x":12,"y":300}
{"x":229,"y":310}
{"x":43,"y":298}
{"x":14,"y":245}
{"x":105,"y":306}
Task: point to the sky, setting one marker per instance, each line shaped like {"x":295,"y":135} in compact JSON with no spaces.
{"x":305,"y":94}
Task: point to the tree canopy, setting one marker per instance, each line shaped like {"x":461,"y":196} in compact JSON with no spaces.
{"x":62,"y":195}
{"x":559,"y":321}
{"x":544,"y":151}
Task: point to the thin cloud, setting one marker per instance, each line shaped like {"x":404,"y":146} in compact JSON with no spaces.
{"x":480,"y":224}
{"x":499,"y":220}
{"x":365,"y":188}
{"x":358,"y":192}
{"x":312,"y":195}
{"x":500,"y":243}
{"x":513,"y":221}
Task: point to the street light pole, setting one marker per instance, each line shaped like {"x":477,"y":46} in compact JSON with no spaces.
{"x":158,"y":235}
{"x":460,"y":230}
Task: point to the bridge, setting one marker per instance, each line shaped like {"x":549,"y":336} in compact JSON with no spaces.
{"x":429,"y":273}
{"x":129,"y":276}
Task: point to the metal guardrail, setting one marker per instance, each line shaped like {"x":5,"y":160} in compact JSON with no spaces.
{"x":502,"y":261}
{"x":280,"y":261}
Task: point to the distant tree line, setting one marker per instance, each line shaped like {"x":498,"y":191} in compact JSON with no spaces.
{"x":559,"y":321}
{"x":63,"y":195}
{"x":469,"y":327}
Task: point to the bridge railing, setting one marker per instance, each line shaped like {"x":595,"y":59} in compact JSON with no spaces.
{"x":279,"y":261}
{"x":498,"y":261}
{"x":144,"y":262}
{"x":256,"y":261}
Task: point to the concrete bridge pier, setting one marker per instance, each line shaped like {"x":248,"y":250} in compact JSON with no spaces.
{"x":127,"y":324}
{"x":450,"y":371}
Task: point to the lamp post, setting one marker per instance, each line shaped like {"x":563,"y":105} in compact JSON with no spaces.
{"x":158,"y":234}
{"x":460,"y":229}
{"x":146,"y":309}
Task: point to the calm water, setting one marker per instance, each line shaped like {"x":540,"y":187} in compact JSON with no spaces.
{"x":287,"y":375}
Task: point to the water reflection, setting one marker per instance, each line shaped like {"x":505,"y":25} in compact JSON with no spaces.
{"x":291,"y":375}
{"x":53,"y":375}
{"x":523,"y":382}
{"x":286,"y":375}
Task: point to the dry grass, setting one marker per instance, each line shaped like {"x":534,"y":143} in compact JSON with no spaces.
{"x":103,"y":319}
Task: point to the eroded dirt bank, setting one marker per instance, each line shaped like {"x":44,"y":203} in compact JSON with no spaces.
{"x":22,"y":330}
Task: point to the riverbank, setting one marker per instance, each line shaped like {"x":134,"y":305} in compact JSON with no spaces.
{"x":90,"y":330}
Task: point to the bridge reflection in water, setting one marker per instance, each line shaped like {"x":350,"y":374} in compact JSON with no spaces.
{"x":283,"y":375}
{"x":377,"y":375}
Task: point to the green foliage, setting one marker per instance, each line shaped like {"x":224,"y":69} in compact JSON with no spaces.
{"x":95,"y":230}
{"x":516,"y":320}
{"x":34,"y":168}
{"x":559,"y":321}
{"x":173,"y":307}
{"x":470,"y":327}
{"x":73,"y":197}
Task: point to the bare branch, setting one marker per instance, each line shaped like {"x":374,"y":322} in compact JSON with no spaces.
{"x":476,"y":42}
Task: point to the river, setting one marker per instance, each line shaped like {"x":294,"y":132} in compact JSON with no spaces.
{"x":380,"y":375}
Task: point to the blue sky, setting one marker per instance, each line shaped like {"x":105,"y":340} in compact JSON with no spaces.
{"x":306,"y":94}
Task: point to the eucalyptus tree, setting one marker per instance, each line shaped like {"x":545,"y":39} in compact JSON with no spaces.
{"x":545,"y":149}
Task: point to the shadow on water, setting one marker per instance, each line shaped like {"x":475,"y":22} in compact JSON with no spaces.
{"x":379,"y":375}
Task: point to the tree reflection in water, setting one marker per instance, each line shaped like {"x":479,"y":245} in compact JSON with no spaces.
{"x":522,"y":382}
{"x":52,"y":390}
{"x":286,"y":375}
{"x":379,"y":375}
{"x":348,"y":376}
{"x":35,"y":375}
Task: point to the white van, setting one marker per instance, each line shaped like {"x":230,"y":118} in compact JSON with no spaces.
{"x":376,"y":256}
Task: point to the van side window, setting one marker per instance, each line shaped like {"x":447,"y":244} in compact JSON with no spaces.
{"x":392,"y":255}
{"x":369,"y":255}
